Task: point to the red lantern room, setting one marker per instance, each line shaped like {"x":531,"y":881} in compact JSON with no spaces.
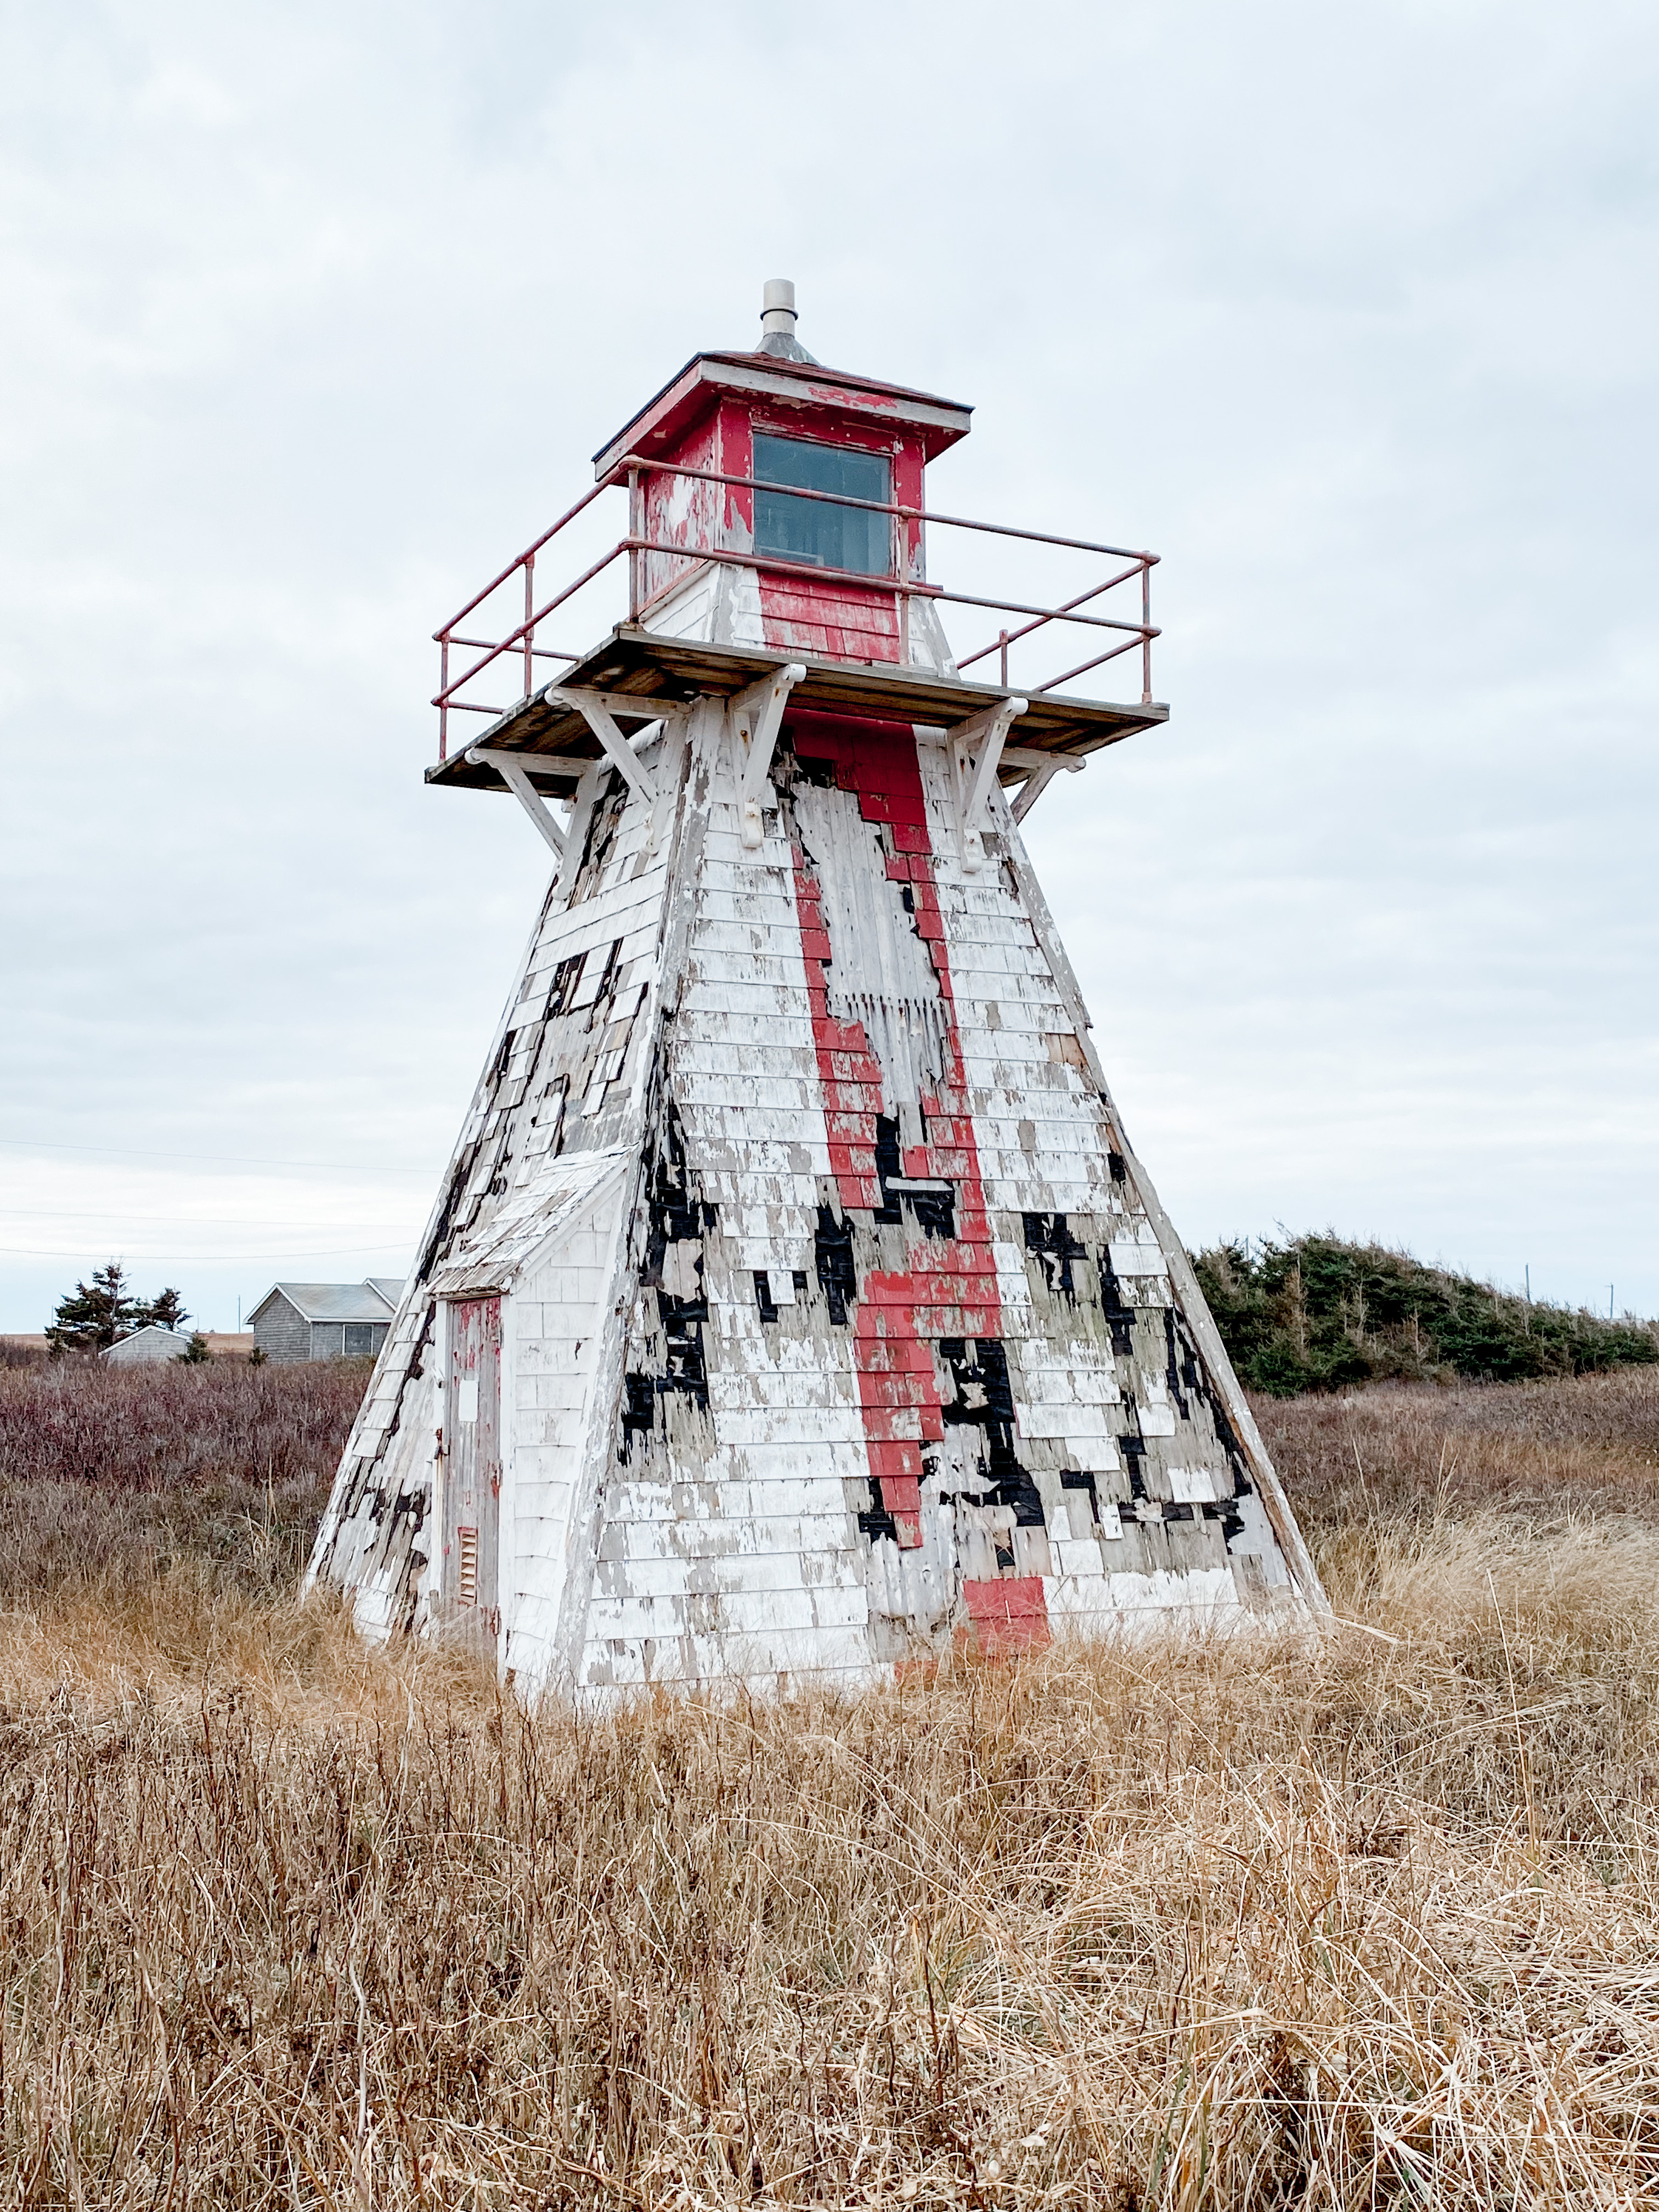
{"x":807,"y":482}
{"x":778,"y":523}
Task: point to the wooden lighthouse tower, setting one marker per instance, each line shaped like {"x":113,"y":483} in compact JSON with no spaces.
{"x":794,"y":1303}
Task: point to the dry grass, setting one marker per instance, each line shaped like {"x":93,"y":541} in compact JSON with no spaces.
{"x":1537,"y":1452}
{"x":1369,"y":1920}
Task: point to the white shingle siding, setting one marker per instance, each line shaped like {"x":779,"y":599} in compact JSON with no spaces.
{"x":688,"y":1490}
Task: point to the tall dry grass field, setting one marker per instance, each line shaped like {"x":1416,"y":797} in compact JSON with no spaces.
{"x":1370,"y":1918}
{"x":109,"y":1475}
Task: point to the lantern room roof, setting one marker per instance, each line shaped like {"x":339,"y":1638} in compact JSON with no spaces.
{"x":662,"y":421}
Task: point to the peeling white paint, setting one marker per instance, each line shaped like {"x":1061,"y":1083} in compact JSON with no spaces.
{"x":722,"y":1459}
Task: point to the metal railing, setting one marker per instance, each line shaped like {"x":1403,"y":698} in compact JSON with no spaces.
{"x":519,"y":649}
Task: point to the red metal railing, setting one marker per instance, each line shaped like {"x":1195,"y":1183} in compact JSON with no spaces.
{"x":520,"y":647}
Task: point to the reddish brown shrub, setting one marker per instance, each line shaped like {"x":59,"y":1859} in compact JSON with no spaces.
{"x":120,"y":1471}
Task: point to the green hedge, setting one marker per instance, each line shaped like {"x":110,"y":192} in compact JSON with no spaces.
{"x":1316,"y":1313}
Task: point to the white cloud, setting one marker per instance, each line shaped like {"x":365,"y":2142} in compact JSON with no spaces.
{"x":316,"y":314}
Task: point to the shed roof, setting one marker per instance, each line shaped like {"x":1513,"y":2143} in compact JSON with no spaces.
{"x":364,"y":1301}
{"x":150,"y":1342}
{"x":491,"y":1258}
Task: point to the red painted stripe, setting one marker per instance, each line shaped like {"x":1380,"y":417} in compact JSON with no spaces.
{"x":834,"y":622}
{"x":950,"y":1286}
{"x":1007,"y":1615}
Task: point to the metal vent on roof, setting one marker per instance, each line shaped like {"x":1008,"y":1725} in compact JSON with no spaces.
{"x":778,"y":323}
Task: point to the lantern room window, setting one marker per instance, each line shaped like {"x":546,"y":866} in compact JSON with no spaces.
{"x":811,"y":530}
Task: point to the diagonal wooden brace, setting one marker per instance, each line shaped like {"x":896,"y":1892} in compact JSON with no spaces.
{"x":1041,"y":769}
{"x":756,"y":717}
{"x":974,"y":777}
{"x":596,"y":709}
{"x":510,"y":766}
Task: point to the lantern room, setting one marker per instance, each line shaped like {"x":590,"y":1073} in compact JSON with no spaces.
{"x":778,"y":532}
{"x":805,"y":486}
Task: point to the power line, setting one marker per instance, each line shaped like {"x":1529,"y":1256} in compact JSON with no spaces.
{"x":225,"y":1159}
{"x":219,"y":1259}
{"x":192,"y":1220}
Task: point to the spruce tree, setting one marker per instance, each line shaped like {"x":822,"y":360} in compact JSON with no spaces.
{"x":166,"y":1311}
{"x":91,"y":1319}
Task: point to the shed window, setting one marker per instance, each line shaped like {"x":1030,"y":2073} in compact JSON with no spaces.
{"x":360,"y":1338}
{"x":811,"y":530}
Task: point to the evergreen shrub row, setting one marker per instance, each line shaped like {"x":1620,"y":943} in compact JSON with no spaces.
{"x":1319,"y":1313}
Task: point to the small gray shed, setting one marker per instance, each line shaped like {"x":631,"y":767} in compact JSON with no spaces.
{"x":325,"y":1321}
{"x":148,"y":1346}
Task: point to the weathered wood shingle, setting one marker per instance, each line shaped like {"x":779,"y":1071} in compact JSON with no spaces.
{"x":838,"y":1317}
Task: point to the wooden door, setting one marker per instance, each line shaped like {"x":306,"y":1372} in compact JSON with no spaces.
{"x":472,"y":1473}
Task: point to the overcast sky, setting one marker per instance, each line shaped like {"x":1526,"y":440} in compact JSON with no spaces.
{"x":314,"y":315}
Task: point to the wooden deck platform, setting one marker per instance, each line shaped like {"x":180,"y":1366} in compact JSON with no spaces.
{"x":666,"y":671}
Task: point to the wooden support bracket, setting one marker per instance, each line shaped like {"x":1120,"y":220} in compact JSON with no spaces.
{"x":974,"y":777}
{"x":1041,"y":769}
{"x":597,"y":709}
{"x":756,"y":717}
{"x":510,"y":766}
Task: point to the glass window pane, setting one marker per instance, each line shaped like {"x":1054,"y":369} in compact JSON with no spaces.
{"x":811,"y":530}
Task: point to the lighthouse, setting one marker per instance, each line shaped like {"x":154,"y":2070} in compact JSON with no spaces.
{"x":793,"y":1305}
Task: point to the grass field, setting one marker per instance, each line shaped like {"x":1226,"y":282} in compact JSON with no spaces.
{"x":1361,"y":1920}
